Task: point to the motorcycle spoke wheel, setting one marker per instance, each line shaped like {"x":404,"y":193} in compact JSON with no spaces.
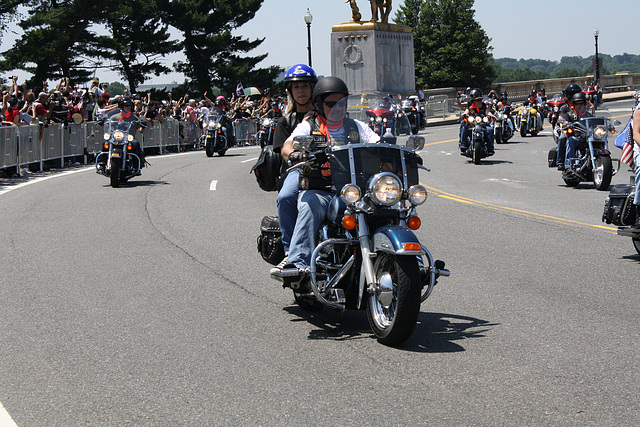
{"x":603,"y":173}
{"x":393,"y":309}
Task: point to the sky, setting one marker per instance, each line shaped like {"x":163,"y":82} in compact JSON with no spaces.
{"x":518,"y":29}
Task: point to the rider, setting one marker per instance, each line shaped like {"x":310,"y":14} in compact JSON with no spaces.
{"x":126,"y":114}
{"x":534,"y":102}
{"x":328,"y":118}
{"x":222,"y":108}
{"x":502,"y":103}
{"x":299,"y":82}
{"x":579,"y":105}
{"x":566,"y":114}
{"x":476,"y":107}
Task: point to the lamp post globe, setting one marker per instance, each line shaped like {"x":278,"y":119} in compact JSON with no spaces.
{"x":307,"y":19}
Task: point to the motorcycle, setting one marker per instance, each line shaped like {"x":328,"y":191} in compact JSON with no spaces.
{"x":117,"y":160}
{"x":367,"y":256}
{"x":478,"y":137}
{"x":382,"y":117}
{"x":415,"y":113}
{"x":527,"y":121}
{"x":266,"y":131}
{"x":214,"y":135}
{"x":593,"y":158}
{"x":503,"y":130}
{"x":620,"y":210}
{"x":554,"y":112}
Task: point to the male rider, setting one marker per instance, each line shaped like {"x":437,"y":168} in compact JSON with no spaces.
{"x":476,"y":108}
{"x":327,"y":119}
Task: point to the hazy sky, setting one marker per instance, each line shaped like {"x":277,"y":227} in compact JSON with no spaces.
{"x":518,"y":29}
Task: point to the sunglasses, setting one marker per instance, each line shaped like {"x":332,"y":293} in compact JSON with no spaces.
{"x":330,"y":104}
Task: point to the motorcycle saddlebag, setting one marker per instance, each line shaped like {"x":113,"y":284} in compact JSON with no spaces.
{"x":270,"y":245}
{"x":553,"y":157}
{"x":267,"y":169}
{"x":618,"y":207}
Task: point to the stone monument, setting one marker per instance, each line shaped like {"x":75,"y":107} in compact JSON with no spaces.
{"x":373,"y":56}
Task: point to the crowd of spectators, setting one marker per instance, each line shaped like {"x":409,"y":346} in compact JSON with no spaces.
{"x":22,"y":105}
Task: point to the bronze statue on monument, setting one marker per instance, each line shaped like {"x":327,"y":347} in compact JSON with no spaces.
{"x":381,"y":6}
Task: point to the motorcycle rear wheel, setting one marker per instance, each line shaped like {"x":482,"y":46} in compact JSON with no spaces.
{"x":603,"y":173}
{"x":393,"y":311}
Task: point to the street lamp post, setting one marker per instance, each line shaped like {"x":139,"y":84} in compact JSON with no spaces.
{"x":596,"y":33}
{"x":307,"y":19}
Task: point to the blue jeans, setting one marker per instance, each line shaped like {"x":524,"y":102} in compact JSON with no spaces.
{"x":572,"y":145}
{"x":288,"y":207}
{"x":312,"y":210}
{"x":562,"y":149}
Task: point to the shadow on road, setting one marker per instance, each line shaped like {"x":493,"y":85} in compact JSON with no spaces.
{"x":140,"y":183}
{"x":434,"y":332}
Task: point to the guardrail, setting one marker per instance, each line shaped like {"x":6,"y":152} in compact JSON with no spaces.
{"x":36,"y":144}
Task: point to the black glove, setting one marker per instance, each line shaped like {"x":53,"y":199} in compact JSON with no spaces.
{"x":296,"y":157}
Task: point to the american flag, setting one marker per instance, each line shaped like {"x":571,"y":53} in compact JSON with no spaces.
{"x":627,"y":154}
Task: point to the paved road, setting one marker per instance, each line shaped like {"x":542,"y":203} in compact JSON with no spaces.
{"x":149,"y":305}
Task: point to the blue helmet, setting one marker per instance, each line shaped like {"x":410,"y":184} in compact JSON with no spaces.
{"x":300,"y":73}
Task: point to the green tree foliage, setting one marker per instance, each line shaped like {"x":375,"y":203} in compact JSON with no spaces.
{"x":451,"y":48}
{"x":116,"y":88}
{"x":213,"y":53}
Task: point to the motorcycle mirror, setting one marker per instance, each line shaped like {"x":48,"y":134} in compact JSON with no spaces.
{"x":302,"y":142}
{"x":415,"y":142}
{"x":617,"y":123}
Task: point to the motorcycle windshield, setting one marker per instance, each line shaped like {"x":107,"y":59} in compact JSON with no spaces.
{"x":358,"y":163}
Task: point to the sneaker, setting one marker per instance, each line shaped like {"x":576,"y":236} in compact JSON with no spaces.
{"x":491,"y":153}
{"x":561,"y":167}
{"x":25,"y":172}
{"x":278,"y":268}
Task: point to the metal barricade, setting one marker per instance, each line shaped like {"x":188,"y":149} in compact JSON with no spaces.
{"x":8,"y":146}
{"x":245,"y":131}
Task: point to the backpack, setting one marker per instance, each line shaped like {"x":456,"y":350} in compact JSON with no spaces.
{"x":267,"y":169}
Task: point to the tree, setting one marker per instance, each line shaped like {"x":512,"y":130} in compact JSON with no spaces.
{"x":211,"y":50}
{"x":115,"y":88}
{"x":451,"y":48}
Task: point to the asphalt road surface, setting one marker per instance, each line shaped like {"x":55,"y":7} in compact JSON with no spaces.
{"x":149,"y":304}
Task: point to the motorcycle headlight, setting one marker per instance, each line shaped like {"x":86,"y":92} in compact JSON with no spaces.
{"x":470,"y":119}
{"x":118,"y":136}
{"x":499,"y":116}
{"x":600,"y":132}
{"x":218,"y":125}
{"x":485,"y":119}
{"x":106,"y":136}
{"x":417,"y":195}
{"x":350,"y":194}
{"x":385,"y":189}
{"x":378,"y":119}
{"x":555,"y":109}
{"x":266,"y":122}
{"x":130,"y":138}
{"x":384,"y":120}
{"x":212,"y":124}
{"x":478,"y":119}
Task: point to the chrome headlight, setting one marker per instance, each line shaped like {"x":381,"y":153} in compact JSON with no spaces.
{"x":600,"y":132}
{"x":485,"y":119}
{"x":378,"y":119}
{"x":478,"y":119}
{"x":218,"y":125}
{"x":130,"y":138}
{"x":106,"y":136}
{"x":499,"y":116}
{"x":415,"y":142}
{"x":350,"y":194}
{"x":385,"y":189}
{"x":118,"y":136}
{"x":266,"y":122}
{"x":417,"y":195}
{"x":212,"y":124}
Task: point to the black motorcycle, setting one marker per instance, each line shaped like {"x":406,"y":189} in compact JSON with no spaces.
{"x":503,"y":125}
{"x":214,"y":134}
{"x":415,"y":114}
{"x":620,"y":210}
{"x":266,"y":131}
{"x":478,"y":138}
{"x":118,"y":159}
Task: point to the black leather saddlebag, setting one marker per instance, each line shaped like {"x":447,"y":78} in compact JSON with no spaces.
{"x":270,"y":245}
{"x":619,"y":208}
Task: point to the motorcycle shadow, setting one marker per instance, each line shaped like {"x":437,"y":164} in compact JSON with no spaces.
{"x":139,"y":183}
{"x":491,"y":162}
{"x":434,"y":332}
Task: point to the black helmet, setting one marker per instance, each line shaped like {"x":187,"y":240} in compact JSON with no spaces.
{"x":326,"y":87}
{"x":124,"y":101}
{"x":580,"y":96}
{"x":571,"y":90}
{"x":503,"y":95}
{"x":475,"y":94}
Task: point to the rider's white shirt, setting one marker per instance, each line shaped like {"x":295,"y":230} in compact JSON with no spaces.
{"x":366,"y":134}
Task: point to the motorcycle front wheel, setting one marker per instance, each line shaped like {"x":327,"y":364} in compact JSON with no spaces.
{"x":523,"y":129}
{"x":115,"y":174}
{"x":477,"y":152}
{"x":498,"y":135}
{"x":208,"y":148}
{"x":602,"y":173}
{"x":394,"y":308}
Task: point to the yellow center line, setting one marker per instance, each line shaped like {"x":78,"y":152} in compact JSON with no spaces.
{"x":520,"y":212}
